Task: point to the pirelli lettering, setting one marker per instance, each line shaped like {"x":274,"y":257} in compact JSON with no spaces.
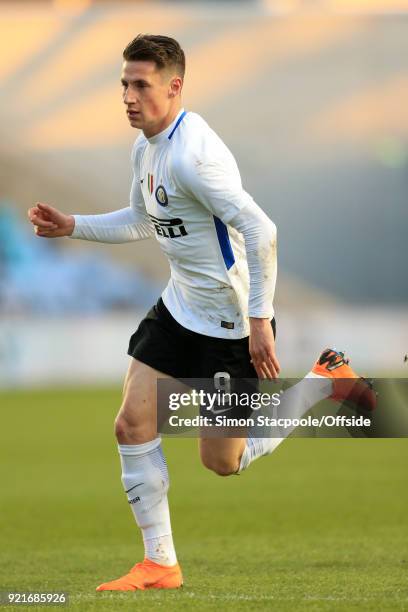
{"x":169,"y":228}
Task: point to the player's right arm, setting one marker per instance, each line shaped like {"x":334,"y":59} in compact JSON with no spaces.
{"x":124,"y":225}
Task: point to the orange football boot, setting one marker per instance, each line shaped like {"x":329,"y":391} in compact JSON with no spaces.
{"x":347,"y":385}
{"x":146,"y":575}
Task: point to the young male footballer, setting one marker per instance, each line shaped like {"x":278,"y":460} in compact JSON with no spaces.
{"x":216,"y":313}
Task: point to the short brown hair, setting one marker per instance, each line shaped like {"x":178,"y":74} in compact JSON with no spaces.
{"x":163,"y":51}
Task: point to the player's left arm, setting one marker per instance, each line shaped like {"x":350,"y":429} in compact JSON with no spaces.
{"x":260,"y":244}
{"x":210,"y":174}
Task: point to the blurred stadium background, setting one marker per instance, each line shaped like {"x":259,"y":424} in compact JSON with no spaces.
{"x":312,"y":98}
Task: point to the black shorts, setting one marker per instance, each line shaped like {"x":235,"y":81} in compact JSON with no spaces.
{"x":165,"y":345}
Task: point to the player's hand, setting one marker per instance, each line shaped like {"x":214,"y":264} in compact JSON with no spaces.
{"x":262,"y":348}
{"x":50,"y":222}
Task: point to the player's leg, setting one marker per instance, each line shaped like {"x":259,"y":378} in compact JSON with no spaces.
{"x":331,"y":377}
{"x":146,"y":482}
{"x":294,"y":403}
{"x":144,"y":471}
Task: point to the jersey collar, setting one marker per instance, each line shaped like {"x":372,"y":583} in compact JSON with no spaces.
{"x":167,"y":133}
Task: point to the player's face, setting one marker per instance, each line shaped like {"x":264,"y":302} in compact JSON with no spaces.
{"x":149,"y":95}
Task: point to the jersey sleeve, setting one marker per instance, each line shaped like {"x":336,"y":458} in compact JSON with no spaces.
{"x":259,"y":233}
{"x":209,"y":173}
{"x":124,"y":225}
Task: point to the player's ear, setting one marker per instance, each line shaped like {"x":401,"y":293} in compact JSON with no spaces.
{"x":175,"y":86}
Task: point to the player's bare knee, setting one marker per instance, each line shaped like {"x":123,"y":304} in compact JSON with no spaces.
{"x":120,"y":427}
{"x":131,"y":428}
{"x":218,"y":465}
{"x":126,"y":429}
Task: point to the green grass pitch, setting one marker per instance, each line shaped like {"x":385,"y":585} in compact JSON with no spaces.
{"x":319,"y":525}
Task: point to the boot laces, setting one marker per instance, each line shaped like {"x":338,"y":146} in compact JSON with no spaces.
{"x":332,"y":358}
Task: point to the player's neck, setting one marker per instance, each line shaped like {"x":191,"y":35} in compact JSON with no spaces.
{"x":164,"y":123}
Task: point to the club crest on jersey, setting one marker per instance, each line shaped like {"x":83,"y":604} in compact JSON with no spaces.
{"x":150,"y":183}
{"x":161,"y":196}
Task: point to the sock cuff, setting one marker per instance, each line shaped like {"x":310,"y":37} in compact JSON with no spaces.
{"x":139,"y":449}
{"x":245,"y":460}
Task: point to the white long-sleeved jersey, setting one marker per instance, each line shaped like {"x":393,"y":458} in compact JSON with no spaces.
{"x":221,"y":246}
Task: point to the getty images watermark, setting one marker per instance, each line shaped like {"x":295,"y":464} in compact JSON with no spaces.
{"x":218,"y":402}
{"x":308,"y":407}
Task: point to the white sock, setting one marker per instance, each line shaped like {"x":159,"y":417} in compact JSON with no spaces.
{"x":146,"y":482}
{"x":255,"y":448}
{"x":295,"y":402}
